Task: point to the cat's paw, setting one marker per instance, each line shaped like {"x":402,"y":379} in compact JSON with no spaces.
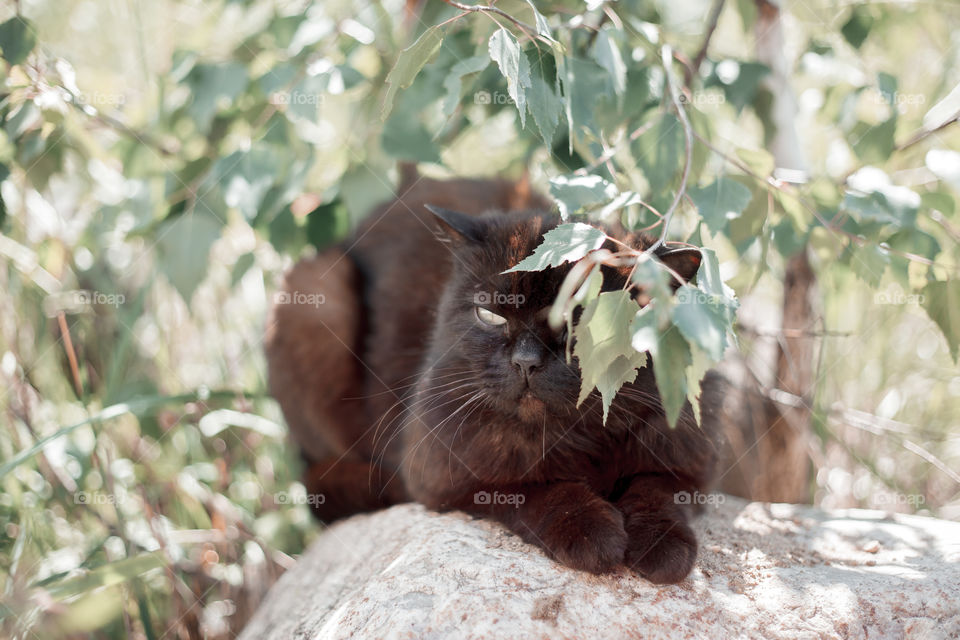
{"x":661,"y":550}
{"x":589,"y":537}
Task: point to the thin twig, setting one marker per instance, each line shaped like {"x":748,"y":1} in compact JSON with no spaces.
{"x":477,"y":8}
{"x":702,"y":53}
{"x":71,"y":354}
{"x":923,"y":133}
{"x":827,"y":224}
{"x":667,"y":57}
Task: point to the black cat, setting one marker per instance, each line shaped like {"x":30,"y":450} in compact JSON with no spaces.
{"x":428,"y":374}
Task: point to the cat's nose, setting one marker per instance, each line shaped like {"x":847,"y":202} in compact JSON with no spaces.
{"x":527,"y":356}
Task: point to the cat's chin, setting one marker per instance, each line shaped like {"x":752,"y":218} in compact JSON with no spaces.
{"x":530,"y":408}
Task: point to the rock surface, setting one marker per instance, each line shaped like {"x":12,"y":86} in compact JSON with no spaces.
{"x":764,"y":571}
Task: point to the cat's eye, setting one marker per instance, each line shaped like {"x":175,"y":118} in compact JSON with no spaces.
{"x":489,"y":317}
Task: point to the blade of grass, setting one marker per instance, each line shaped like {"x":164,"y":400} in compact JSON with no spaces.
{"x":137,"y":407}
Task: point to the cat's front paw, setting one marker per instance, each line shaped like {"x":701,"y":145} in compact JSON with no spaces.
{"x":589,"y":537}
{"x":661,"y":550}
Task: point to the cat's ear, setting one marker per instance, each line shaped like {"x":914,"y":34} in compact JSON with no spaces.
{"x":459,"y":227}
{"x":684,"y":260}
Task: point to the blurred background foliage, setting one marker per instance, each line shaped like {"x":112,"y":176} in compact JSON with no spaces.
{"x":163,"y":162}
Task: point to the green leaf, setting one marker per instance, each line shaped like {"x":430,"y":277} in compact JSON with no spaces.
{"x":584,"y":84}
{"x":577,"y":193}
{"x":542,"y":100}
{"x":869,"y":262}
{"x":246,"y":177}
{"x":889,"y":205}
{"x":505,"y":51}
{"x":703,"y":321}
{"x":566,"y":243}
{"x":873,"y":144}
{"x":212,"y":87}
{"x":184,"y":247}
{"x":607,"y":361}
{"x":607,"y":54}
{"x":671,"y":357}
{"x":720,"y":201}
{"x":701,"y":363}
{"x":454,"y":80}
{"x":739,"y":80}
{"x":856,"y":29}
{"x":327,"y":224}
{"x":18,"y":37}
{"x":659,"y":152}
{"x":942,"y":302}
{"x":409,"y":63}
{"x":543,"y":29}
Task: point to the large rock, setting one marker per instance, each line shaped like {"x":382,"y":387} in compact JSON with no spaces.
{"x":764,"y":571}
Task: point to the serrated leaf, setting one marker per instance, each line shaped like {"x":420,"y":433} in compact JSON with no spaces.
{"x":566,"y":243}
{"x":618,"y":373}
{"x":607,"y":54}
{"x":700,"y":364}
{"x":505,"y":51}
{"x":454,"y":80}
{"x":409,"y":63}
{"x":18,"y":37}
{"x":659,"y":152}
{"x":543,"y":29}
{"x":720,"y":201}
{"x":607,"y":361}
{"x":576,"y":193}
{"x":942,"y":302}
{"x":542,"y":100}
{"x":671,"y":357}
{"x":702,"y":320}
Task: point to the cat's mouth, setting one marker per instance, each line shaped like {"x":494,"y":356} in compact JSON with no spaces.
{"x":530,"y":408}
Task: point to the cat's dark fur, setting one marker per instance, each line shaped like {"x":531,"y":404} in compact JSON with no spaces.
{"x":396,"y":390}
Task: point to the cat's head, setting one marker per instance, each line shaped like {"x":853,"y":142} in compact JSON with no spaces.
{"x":492,"y":333}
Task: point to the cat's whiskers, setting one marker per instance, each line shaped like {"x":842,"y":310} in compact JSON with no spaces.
{"x":438,"y":392}
{"x":382,"y":429}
